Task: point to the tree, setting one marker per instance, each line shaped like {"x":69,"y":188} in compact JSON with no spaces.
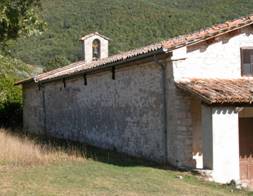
{"x":19,"y":17}
{"x":56,"y":62}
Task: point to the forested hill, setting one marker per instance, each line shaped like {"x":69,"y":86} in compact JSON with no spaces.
{"x":129,"y":23}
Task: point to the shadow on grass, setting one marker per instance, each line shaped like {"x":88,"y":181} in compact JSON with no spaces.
{"x":88,"y":151}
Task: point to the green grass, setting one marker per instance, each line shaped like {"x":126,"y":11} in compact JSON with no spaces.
{"x":101,"y":172}
{"x":99,"y":178}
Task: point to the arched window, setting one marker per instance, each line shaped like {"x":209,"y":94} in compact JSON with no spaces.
{"x":96,"y":49}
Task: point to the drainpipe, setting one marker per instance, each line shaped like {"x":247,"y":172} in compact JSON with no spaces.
{"x":164,"y":90}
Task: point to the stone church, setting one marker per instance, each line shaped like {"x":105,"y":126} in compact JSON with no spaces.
{"x":185,"y":101}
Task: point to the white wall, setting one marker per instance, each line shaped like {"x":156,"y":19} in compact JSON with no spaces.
{"x":218,"y":60}
{"x":221,"y":143}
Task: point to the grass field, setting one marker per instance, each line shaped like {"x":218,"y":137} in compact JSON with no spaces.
{"x":32,"y":166}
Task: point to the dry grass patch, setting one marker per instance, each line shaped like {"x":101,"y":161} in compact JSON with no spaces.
{"x":21,"y":150}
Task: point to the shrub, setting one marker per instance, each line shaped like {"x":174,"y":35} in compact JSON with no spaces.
{"x":11,"y":70}
{"x":10,"y":103}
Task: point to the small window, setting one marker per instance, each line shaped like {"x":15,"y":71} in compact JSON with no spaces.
{"x":96,"y":49}
{"x":247,"y":61}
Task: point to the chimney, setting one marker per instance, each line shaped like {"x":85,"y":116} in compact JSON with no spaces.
{"x":94,"y":47}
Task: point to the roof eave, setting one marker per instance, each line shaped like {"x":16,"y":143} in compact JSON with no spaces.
{"x":107,"y":65}
{"x":197,"y":41}
{"x":21,"y":82}
{"x":194,"y":93}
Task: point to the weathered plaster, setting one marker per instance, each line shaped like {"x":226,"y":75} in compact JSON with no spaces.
{"x":221,"y":59}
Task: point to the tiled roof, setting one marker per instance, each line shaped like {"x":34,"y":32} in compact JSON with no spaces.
{"x":166,"y":45}
{"x":82,"y":66}
{"x":220,"y":91}
{"x":208,"y":33}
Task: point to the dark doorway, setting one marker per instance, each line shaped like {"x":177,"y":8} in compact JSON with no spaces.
{"x":246,"y":149}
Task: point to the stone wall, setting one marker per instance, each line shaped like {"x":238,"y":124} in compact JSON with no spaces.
{"x":125,"y":114}
{"x":179,"y":122}
{"x":33,"y":113}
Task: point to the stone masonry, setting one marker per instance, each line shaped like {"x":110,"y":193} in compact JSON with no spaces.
{"x":125,"y":114}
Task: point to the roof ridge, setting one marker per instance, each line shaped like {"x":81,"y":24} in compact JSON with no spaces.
{"x":204,"y":32}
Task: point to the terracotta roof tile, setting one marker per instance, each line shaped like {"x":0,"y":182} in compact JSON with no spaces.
{"x":220,"y":91}
{"x":82,"y":66}
{"x":208,"y":32}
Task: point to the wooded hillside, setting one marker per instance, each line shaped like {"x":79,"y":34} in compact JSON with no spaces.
{"x":128,"y":23}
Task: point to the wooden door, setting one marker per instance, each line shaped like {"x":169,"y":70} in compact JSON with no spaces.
{"x":246,"y":149}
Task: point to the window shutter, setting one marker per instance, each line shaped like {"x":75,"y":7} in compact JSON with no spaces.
{"x":246,"y":56}
{"x":247,"y":61}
